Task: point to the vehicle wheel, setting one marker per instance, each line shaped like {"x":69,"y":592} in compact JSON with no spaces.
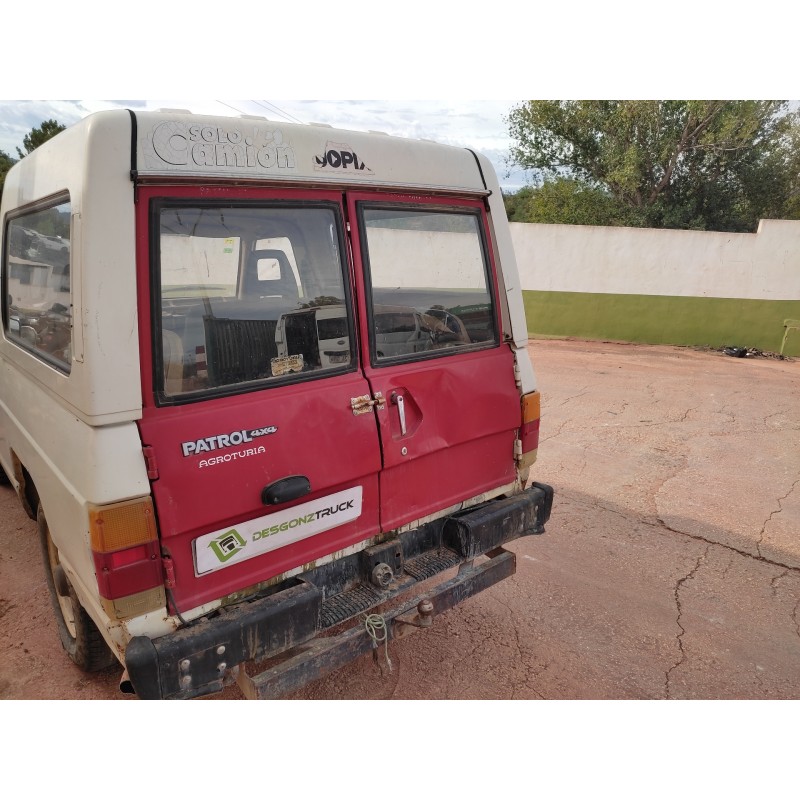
{"x":79,"y":635}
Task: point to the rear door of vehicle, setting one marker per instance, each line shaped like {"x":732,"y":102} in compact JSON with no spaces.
{"x":258,"y":462}
{"x":435,"y":357}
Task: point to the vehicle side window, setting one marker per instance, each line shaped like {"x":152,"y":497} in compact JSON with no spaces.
{"x":37,"y":311}
{"x":249,"y":294}
{"x":428,"y":274}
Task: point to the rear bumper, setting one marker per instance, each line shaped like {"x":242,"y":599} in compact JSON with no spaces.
{"x":386,"y":578}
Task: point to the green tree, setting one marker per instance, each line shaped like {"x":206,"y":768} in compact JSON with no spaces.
{"x":516,"y":204}
{"x":38,"y":136}
{"x":702,"y":164}
{"x":6,"y":162}
{"x":565,"y":201}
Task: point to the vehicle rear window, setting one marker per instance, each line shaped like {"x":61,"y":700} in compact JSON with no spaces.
{"x":429,"y":282}
{"x":241,"y":288}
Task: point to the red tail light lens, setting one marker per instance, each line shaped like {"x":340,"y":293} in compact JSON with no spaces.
{"x":127,"y":558}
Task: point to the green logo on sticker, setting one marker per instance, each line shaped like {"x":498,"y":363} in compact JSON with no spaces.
{"x":227,"y":545}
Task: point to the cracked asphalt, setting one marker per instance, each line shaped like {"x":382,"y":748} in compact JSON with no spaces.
{"x":670,"y":568}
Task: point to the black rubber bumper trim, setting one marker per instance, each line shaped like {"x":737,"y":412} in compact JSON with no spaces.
{"x":500,"y":521}
{"x":327,"y":654}
{"x":193,"y":660}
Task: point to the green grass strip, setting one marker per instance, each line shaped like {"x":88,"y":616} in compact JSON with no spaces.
{"x":699,"y":321}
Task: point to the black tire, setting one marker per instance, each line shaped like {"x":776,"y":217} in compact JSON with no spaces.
{"x":79,"y":636}
{"x":4,"y":481}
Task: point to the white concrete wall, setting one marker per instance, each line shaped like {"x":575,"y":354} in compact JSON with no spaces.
{"x":582,"y":258}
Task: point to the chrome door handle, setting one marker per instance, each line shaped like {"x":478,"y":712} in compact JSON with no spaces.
{"x":397,"y":399}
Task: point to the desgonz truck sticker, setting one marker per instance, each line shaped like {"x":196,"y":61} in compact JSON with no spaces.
{"x":232,"y":545}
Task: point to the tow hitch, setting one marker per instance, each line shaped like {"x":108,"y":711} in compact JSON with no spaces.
{"x":296,"y":634}
{"x":327,"y":654}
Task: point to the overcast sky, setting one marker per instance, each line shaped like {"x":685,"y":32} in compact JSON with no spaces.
{"x":427,"y":64}
{"x":477,"y":124}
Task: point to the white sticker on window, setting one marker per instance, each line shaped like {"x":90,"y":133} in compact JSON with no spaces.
{"x":285,"y":364}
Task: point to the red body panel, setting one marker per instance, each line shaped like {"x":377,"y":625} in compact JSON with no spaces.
{"x":462,"y":416}
{"x":461,"y":409}
{"x":460,"y":430}
{"x":317,"y":436}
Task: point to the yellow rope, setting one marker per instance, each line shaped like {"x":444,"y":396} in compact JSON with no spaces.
{"x":378,"y":632}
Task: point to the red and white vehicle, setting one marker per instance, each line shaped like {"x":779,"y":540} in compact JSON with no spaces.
{"x":258,"y":381}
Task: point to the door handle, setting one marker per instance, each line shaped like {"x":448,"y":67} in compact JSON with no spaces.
{"x":398,"y":400}
{"x":284,"y":490}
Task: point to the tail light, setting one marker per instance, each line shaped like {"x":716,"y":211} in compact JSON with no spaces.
{"x":529,"y":429}
{"x":127,"y":558}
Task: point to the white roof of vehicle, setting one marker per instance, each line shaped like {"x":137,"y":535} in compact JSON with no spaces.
{"x":183,"y":144}
{"x":98,"y":156}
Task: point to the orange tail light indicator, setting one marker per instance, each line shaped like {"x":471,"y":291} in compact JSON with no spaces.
{"x":127,"y":557}
{"x":529,"y":429}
